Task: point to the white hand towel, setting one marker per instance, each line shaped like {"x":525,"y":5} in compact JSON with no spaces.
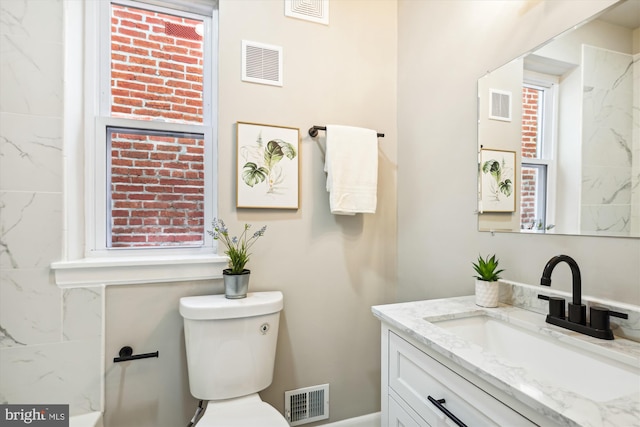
{"x":351,"y":163}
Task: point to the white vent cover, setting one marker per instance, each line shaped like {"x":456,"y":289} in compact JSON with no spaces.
{"x":306,"y":405}
{"x":261,"y":63}
{"x":500,"y":105}
{"x":309,"y":10}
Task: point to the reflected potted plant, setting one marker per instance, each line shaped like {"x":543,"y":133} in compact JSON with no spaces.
{"x":236,"y":277}
{"x":487,"y":289}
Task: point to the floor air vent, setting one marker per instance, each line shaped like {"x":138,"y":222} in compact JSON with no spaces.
{"x":306,"y":405}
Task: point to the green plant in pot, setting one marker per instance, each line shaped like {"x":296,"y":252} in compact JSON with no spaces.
{"x":236,"y":277}
{"x":487,"y":277}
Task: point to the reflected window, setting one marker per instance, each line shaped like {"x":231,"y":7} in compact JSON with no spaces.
{"x":537,"y":148}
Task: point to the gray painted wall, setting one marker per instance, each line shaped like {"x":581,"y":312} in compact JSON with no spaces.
{"x":438,"y":237}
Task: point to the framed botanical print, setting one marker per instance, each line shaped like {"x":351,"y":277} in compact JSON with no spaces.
{"x":268,"y":166}
{"x":497,"y":180}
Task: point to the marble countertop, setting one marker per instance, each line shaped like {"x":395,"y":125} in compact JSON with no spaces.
{"x":564,"y":406}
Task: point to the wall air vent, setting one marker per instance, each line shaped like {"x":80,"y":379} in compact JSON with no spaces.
{"x":500,"y":105}
{"x":309,"y":10}
{"x":261,"y":63}
{"x":306,"y":405}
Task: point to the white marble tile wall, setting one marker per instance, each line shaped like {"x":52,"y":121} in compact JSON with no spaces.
{"x":50,"y":339}
{"x":607,"y":141}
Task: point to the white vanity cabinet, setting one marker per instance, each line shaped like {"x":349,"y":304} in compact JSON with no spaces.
{"x":417,"y":390}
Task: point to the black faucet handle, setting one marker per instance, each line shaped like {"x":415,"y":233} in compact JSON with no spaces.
{"x":618,"y":314}
{"x":556,"y":305}
{"x":600,"y":317}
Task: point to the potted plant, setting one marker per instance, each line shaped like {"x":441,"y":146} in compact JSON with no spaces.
{"x":236,"y":277}
{"x":487,"y":281}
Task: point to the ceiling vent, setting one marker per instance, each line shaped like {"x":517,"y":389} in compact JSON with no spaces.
{"x":309,"y":10}
{"x":261,"y":63}
{"x":500,"y":105}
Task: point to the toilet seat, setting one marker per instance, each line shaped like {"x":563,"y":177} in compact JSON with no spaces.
{"x":246,"y":411}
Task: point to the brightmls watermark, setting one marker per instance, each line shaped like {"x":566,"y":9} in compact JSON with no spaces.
{"x":34,"y":415}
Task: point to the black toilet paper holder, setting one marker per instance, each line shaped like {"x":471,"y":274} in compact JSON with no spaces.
{"x":126,"y":354}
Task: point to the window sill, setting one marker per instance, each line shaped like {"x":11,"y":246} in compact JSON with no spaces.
{"x":137,"y":270}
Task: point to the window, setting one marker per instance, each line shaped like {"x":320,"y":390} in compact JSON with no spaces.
{"x":153,"y":71}
{"x":538,"y":138}
{"x":148,"y":144}
{"x":156,"y":189}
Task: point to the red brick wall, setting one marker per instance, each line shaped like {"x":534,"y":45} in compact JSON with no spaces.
{"x":155,"y":74}
{"x":530,"y":98}
{"x":157,"y":181}
{"x":157,"y":187}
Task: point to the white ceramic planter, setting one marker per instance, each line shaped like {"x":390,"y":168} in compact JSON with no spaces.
{"x":487,"y":293}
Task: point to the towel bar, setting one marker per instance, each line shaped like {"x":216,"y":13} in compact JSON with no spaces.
{"x":313,"y":131}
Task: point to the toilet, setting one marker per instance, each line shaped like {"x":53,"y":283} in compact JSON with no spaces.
{"x":231,"y":349}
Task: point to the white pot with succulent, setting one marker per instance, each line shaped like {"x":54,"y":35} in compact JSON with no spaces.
{"x":236,"y":277}
{"x":487,"y":289}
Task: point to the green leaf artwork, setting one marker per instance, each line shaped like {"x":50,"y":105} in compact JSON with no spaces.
{"x":502,"y":185}
{"x":252,"y":174}
{"x":262,"y":163}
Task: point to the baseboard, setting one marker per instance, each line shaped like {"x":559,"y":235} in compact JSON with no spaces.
{"x":369,"y":420}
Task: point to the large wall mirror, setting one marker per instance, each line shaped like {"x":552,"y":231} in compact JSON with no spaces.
{"x":558,"y":133}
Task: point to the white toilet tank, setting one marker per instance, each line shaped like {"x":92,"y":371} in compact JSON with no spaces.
{"x":230,"y":343}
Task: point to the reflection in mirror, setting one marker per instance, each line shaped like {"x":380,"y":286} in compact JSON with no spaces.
{"x":570,"y":111}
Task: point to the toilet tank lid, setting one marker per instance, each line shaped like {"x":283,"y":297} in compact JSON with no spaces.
{"x":211,"y":307}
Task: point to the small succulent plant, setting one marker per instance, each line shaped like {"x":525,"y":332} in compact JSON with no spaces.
{"x":487,"y":268}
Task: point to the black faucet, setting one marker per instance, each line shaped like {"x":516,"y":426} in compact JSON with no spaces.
{"x":577,"y":310}
{"x":577,"y":320}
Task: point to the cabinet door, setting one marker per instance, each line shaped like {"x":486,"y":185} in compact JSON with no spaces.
{"x":430,"y":388}
{"x":399,"y":418}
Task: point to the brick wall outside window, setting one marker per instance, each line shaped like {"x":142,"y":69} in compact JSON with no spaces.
{"x":156,"y":66}
{"x":530,"y":103}
{"x":156,"y":179}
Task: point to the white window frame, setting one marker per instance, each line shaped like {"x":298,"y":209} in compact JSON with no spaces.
{"x":86,"y":260}
{"x":548,"y":136}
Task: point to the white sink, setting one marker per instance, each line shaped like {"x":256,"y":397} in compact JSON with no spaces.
{"x":591,"y":375}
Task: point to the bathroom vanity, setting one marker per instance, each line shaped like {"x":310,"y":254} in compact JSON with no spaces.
{"x":449,"y":362}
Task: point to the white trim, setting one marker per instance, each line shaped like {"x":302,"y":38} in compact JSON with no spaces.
{"x":369,"y":420}
{"x":137,"y":270}
{"x":200,"y":7}
{"x":73,"y":133}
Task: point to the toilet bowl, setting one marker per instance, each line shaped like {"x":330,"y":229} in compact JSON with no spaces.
{"x":231,"y":347}
{"x":246,"y":411}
